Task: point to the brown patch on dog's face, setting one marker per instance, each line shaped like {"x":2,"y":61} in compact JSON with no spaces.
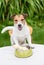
{"x":19,"y":18}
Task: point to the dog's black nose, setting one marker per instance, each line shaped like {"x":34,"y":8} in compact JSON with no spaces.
{"x":19,"y":25}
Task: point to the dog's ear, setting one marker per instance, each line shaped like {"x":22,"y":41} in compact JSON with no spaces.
{"x":25,"y":15}
{"x":12,"y":16}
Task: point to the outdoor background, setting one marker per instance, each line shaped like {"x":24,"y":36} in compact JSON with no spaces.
{"x":35,"y":10}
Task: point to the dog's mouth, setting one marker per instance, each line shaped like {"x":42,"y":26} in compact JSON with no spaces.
{"x":19,"y":28}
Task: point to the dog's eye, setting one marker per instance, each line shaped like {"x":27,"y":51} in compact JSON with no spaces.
{"x":22,"y":19}
{"x":16,"y":20}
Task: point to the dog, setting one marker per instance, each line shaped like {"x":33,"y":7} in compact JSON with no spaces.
{"x":20,"y":32}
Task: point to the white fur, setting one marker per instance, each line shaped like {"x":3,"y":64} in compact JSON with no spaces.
{"x":7,"y":28}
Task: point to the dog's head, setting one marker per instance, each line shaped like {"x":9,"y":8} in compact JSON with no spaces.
{"x":19,"y":20}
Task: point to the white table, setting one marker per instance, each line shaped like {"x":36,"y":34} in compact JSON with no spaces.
{"x":7,"y":56}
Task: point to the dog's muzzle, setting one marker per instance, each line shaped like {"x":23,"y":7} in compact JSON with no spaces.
{"x":19,"y":27}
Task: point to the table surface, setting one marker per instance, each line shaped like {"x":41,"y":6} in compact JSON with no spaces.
{"x":7,"y":56}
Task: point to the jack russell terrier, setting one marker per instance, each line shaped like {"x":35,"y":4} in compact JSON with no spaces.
{"x":20,"y":32}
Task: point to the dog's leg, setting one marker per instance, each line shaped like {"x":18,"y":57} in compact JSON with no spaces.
{"x":29,"y":41}
{"x":14,"y":43}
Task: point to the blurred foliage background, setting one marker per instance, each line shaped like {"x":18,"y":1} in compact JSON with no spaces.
{"x":35,"y":11}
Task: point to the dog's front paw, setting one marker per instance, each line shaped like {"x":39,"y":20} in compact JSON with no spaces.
{"x":23,"y":48}
{"x":16,"y":46}
{"x":32,"y":46}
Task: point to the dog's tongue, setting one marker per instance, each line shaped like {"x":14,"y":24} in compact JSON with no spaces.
{"x":19,"y":28}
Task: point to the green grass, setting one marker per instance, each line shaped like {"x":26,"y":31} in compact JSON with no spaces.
{"x":37,"y":36}
{"x":34,"y":8}
{"x":4,"y":38}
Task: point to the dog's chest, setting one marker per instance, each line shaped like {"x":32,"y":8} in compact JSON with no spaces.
{"x":21,"y":36}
